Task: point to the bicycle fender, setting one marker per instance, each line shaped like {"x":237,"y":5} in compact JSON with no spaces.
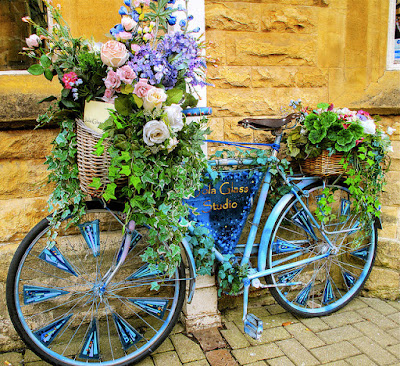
{"x":269,"y":225}
{"x":192,"y":269}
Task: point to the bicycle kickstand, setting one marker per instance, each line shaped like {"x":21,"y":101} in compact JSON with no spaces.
{"x":253,"y":326}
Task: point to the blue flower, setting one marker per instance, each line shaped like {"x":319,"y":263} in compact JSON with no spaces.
{"x":127,"y":3}
{"x":122,"y":11}
{"x":172,"y":20}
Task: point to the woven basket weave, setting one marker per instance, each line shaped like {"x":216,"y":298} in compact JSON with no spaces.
{"x":323,"y":165}
{"x":89,"y":164}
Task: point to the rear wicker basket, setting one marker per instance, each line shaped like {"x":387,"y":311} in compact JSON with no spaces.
{"x":323,"y":165}
{"x":89,"y":164}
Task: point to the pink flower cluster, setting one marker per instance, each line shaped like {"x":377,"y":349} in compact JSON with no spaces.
{"x":69,"y":79}
{"x":113,"y":81}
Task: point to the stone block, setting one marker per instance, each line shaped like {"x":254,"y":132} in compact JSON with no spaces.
{"x":390,"y":217}
{"x":18,"y":216}
{"x":257,"y":353}
{"x":229,"y":76}
{"x":221,"y":357}
{"x":234,"y":132}
{"x":216,"y":48}
{"x":23,"y":178}
{"x":6,"y":253}
{"x":186,"y":348}
{"x":26,"y":144}
{"x":270,"y":49}
{"x":391,"y":196}
{"x":273,"y":76}
{"x":297,"y":353}
{"x":202,"y":312}
{"x":286,"y":19}
{"x":374,"y":351}
{"x":209,"y":339}
{"x":11,"y":359}
{"x":388,"y":254}
{"x":383,"y":283}
{"x":233,"y":17}
{"x":167,"y":358}
{"x":216,"y":126}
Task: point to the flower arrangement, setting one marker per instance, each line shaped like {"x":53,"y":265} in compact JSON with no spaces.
{"x":363,"y":145}
{"x":148,"y":75}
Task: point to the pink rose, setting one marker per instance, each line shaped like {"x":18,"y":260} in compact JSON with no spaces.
{"x":142,"y":88}
{"x":114,"y":53}
{"x":128,"y":23}
{"x":33,"y":41}
{"x":126,"y":74}
{"x":135,"y":47}
{"x":109,"y":96}
{"x":112,"y":81}
{"x":125,"y":35}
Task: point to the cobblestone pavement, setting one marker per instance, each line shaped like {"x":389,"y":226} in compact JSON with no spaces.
{"x":366,"y":332}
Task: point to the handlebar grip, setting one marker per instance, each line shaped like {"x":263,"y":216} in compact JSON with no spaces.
{"x":199,"y":111}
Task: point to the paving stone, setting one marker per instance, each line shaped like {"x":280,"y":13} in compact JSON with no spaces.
{"x":234,"y":336}
{"x":275,"y":309}
{"x":395,"y":332}
{"x":374,"y":351}
{"x":306,"y":337}
{"x":395,"y":349}
{"x":299,"y":355}
{"x":220,"y":357}
{"x":209,"y":339}
{"x":379,"y":305}
{"x":360,"y":360}
{"x":29,"y":356}
{"x":197,"y":363}
{"x":278,"y":319}
{"x":280,"y":361}
{"x":257,"y":353}
{"x":11,"y":358}
{"x":271,"y":335}
{"x":146,"y":362}
{"x":187,"y":349}
{"x":376,"y":317}
{"x":395,"y":317}
{"x":335,"y":352}
{"x":354,"y":304}
{"x":259,"y":363}
{"x":315,"y":324}
{"x":339,"y":334}
{"x":376,"y":333}
{"x":37,"y":363}
{"x":165,"y":347}
{"x":395,"y":304}
{"x":337,"y":363}
{"x":167,"y":358}
{"x":340,"y":319}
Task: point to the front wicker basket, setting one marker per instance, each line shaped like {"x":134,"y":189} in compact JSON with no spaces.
{"x":89,"y":164}
{"x":323,"y":165}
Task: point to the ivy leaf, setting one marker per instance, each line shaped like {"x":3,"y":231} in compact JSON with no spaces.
{"x":96,"y":183}
{"x":155,"y":286}
{"x":126,"y":170}
{"x":36,"y":70}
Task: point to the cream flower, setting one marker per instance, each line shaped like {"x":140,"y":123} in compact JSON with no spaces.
{"x":174,"y":117}
{"x":154,"y":99}
{"x":155,"y":132}
{"x":114,"y":53}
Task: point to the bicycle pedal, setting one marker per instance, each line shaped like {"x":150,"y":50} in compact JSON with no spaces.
{"x":253,"y":326}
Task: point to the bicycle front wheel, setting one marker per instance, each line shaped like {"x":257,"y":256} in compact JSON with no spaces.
{"x":325,"y":285}
{"x":62,"y":308}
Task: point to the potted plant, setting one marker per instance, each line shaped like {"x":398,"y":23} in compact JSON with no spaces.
{"x":148,"y":155}
{"x":340,"y":142}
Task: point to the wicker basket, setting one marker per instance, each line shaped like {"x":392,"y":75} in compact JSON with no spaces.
{"x":89,"y":164}
{"x":323,"y":165}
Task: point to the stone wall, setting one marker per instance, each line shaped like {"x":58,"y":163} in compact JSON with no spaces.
{"x":268,"y":52}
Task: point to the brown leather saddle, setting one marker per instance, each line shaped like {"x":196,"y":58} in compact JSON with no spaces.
{"x":268,"y":124}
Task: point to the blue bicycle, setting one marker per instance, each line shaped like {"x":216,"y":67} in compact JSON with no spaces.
{"x":89,"y":298}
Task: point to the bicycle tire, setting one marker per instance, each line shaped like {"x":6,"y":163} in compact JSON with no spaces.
{"x":328,"y":284}
{"x":55,"y":305}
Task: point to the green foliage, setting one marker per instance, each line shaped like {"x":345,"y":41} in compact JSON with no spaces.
{"x":231,"y":275}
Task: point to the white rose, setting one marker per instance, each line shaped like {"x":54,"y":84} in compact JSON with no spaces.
{"x":172,"y":144}
{"x":155,"y":132}
{"x":369,"y":126}
{"x":174,"y":117}
{"x":390,"y":130}
{"x":154,"y":99}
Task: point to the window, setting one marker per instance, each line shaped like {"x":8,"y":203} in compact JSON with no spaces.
{"x":13,"y":31}
{"x":393,"y":55}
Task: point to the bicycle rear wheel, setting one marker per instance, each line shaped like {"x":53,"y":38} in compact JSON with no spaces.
{"x":325,"y":285}
{"x":60,"y":307}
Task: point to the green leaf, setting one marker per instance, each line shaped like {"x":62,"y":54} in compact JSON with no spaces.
{"x":138,"y":101}
{"x":125,"y":170}
{"x":45,"y":61}
{"x":123,"y":105}
{"x":36,"y":69}
{"x":48,"y":74}
{"x":174,"y":96}
{"x":96,"y":183}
